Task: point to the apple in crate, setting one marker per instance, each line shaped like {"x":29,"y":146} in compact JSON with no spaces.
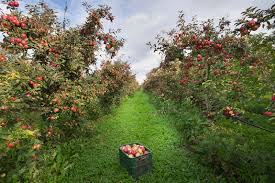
{"x":125,"y":149}
{"x":142,"y":148}
{"x":135,"y":147}
{"x":130,"y":156}
{"x":133,"y":152}
{"x":138,"y":154}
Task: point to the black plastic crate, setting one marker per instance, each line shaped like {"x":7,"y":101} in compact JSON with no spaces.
{"x":136,"y":166}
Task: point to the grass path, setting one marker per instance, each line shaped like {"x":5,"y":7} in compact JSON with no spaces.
{"x":135,"y":120}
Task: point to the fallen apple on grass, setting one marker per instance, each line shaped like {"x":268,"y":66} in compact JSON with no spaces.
{"x":134,"y":151}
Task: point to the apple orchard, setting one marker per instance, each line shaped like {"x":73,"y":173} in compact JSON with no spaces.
{"x":48,"y":91}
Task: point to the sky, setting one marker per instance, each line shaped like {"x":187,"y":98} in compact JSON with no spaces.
{"x":141,"y":20}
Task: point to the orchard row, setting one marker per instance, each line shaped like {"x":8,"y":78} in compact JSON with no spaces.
{"x":48,"y":89}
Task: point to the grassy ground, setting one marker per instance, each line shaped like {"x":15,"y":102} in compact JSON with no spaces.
{"x":136,"y":120}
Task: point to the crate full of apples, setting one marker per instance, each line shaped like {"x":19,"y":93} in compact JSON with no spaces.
{"x":135,"y":150}
{"x":136,"y":158}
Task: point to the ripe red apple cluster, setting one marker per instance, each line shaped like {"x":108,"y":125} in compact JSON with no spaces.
{"x":108,"y":40}
{"x":250,"y":25}
{"x":22,"y":43}
{"x":33,"y":84}
{"x":14,"y":20}
{"x":134,"y":151}
{"x":202,"y":43}
{"x":74,"y":109}
{"x":59,"y":108}
{"x":228,"y":112}
{"x":13,"y":4}
{"x":4,"y":108}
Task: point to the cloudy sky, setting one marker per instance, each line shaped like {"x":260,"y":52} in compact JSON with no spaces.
{"x":141,"y":20}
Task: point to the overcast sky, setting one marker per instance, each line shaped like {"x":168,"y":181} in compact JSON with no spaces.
{"x":142,"y":20}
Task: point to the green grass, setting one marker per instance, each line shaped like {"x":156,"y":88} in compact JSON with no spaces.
{"x":135,"y":120}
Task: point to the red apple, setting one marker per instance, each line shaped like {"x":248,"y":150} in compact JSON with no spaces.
{"x":11,"y":3}
{"x":207,"y":42}
{"x":5,"y":17}
{"x":243,"y":31}
{"x":23,"y":25}
{"x":28,"y":94}
{"x":3,"y":58}
{"x":199,"y":57}
{"x":218,"y":46}
{"x":142,"y":148}
{"x":31,"y":83}
{"x":24,"y":35}
{"x":39,"y":78}
{"x":17,"y":23}
{"x":24,"y":42}
{"x":125,"y":149}
{"x":251,"y":23}
{"x":24,"y":127}
{"x":12,"y":40}
{"x":21,"y":45}
{"x":268,"y":113}
{"x":13,"y":99}
{"x":56,"y":110}
{"x":10,"y":145}
{"x":18,"y":40}
{"x":108,"y":46}
{"x":273,"y":98}
{"x":74,"y":109}
{"x":133,"y":152}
